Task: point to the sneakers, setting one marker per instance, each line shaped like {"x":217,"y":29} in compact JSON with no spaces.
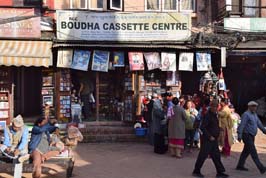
{"x":241,"y":169}
{"x":23,"y":158}
{"x":221,"y":175}
{"x":197,"y":174}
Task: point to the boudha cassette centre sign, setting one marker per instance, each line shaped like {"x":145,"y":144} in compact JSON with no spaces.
{"x":81,"y":25}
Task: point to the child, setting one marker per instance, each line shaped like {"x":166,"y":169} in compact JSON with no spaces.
{"x":73,"y":136}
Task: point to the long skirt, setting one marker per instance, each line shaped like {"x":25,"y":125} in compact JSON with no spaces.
{"x":226,"y":148}
{"x":176,"y":143}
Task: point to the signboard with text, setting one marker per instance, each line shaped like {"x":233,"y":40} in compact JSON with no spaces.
{"x":92,"y":26}
{"x":19,"y":23}
{"x":245,"y":24}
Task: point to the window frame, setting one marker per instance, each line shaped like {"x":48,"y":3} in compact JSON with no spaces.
{"x":115,"y":8}
{"x":193,"y":8}
{"x":91,"y":8}
{"x":152,"y":10}
{"x":71,"y":3}
{"x":167,"y":10}
{"x":256,"y":9}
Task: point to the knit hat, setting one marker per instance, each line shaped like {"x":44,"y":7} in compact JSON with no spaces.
{"x":18,"y":121}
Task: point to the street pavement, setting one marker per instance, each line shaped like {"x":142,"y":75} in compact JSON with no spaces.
{"x":137,"y":160}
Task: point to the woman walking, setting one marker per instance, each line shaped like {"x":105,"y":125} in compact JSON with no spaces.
{"x":226,"y":125}
{"x":176,"y":129}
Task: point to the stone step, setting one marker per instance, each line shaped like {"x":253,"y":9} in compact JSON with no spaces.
{"x":108,"y":130}
{"x":113,"y":138}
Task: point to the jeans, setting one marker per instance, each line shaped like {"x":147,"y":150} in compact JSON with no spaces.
{"x":249,"y":149}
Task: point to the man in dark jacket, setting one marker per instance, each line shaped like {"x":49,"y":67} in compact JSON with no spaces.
{"x":210,"y":129}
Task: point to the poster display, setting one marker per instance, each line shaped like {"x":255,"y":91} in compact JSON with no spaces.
{"x":119,"y":59}
{"x":168,"y":61}
{"x":81,"y":60}
{"x":203,"y":61}
{"x":100,"y":61}
{"x":64,"y":58}
{"x":153,"y":60}
{"x":136,"y":61}
{"x":186,"y":61}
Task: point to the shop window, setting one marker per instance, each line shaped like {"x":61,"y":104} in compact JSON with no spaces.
{"x":116,"y":4}
{"x":152,"y":5}
{"x":250,"y":7}
{"x":78,"y":4}
{"x":187,"y":5}
{"x":96,"y":4}
{"x":170,"y":5}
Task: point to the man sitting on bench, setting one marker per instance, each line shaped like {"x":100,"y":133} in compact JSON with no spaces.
{"x":15,"y":144}
{"x":40,"y":145}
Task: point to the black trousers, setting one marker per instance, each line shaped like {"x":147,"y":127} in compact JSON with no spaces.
{"x":190,"y":138}
{"x":86,"y":109}
{"x":209,"y":148}
{"x":159,"y":144}
{"x":249,"y":149}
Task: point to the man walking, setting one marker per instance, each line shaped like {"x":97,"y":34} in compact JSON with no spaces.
{"x":210,"y":129}
{"x":247,"y":131}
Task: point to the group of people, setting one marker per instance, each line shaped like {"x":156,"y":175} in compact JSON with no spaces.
{"x":180,"y":124}
{"x":43,"y":144}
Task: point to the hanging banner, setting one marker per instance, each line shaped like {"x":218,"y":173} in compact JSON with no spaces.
{"x":64,"y":58}
{"x":119,"y":59}
{"x":113,"y":26}
{"x":223,"y":56}
{"x":203,"y":61}
{"x":100,"y":61}
{"x":153,"y":60}
{"x":186,"y":61}
{"x":136,"y":61}
{"x":168,"y":61}
{"x":81,"y":60}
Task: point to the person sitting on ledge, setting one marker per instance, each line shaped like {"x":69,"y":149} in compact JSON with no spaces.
{"x":15,"y":145}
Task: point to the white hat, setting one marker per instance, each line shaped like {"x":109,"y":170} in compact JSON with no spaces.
{"x":155,"y":95}
{"x":18,"y":121}
{"x":252,"y":103}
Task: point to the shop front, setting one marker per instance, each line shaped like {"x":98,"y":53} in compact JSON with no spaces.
{"x":21,"y":63}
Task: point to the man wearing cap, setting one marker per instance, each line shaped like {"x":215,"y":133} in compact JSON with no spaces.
{"x":247,"y":131}
{"x":16,"y":140}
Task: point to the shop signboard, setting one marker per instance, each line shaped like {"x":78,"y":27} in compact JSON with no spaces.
{"x":136,"y":61}
{"x":64,"y":58}
{"x":186,"y":61}
{"x":203,"y":61}
{"x":168,"y":61}
{"x":81,"y":60}
{"x":113,"y":26}
{"x":245,"y":24}
{"x":100,"y":61}
{"x":153,"y":60}
{"x":19,"y":23}
{"x":119,"y":59}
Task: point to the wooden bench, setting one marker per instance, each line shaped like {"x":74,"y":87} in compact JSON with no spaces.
{"x":15,"y":168}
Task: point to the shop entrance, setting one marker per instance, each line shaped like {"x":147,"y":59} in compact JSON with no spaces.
{"x":27,"y":91}
{"x":101,"y":94}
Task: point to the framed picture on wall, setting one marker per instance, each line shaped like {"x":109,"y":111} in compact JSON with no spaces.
{"x":48,"y":100}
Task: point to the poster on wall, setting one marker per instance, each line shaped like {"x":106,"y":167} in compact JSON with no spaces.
{"x":168,"y":62}
{"x":100,"y":61}
{"x":186,"y":61}
{"x":81,"y":60}
{"x":119,"y":59}
{"x":64,"y":58}
{"x":203,"y":61}
{"x":136,"y":61}
{"x":153,"y":60}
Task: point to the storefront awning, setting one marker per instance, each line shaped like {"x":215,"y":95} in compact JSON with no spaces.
{"x":25,"y":53}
